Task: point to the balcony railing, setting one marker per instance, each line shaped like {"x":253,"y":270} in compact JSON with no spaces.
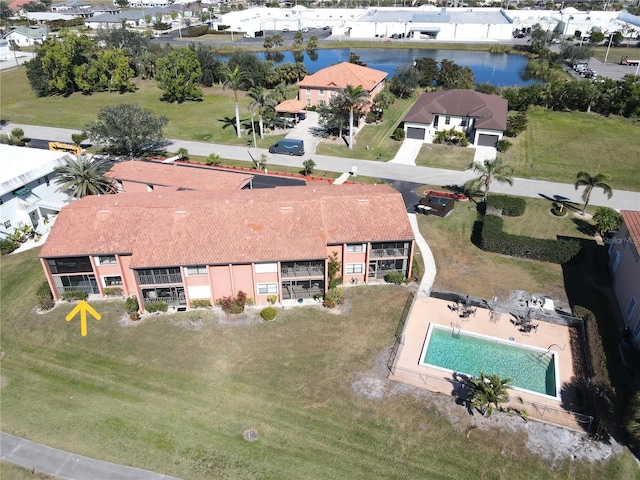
{"x":289,"y":292}
{"x":389,"y":252}
{"x":302,"y":272}
{"x":83,"y":287}
{"x":159,"y":279}
{"x":381,"y":273}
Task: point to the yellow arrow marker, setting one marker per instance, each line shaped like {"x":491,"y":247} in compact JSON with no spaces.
{"x":83,"y":307}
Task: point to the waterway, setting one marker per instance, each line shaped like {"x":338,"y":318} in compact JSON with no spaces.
{"x":497,"y":69}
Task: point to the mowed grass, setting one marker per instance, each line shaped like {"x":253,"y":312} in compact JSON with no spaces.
{"x":557,"y":145}
{"x":445,"y":156}
{"x":463,"y":267}
{"x":162,"y":396}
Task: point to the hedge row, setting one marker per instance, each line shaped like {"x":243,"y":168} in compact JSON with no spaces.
{"x":45,"y":297}
{"x":510,"y":206}
{"x":156,"y":306}
{"x":493,"y":239}
{"x":594,"y":341}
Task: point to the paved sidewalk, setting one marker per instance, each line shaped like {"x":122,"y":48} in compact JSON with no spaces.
{"x":41,"y":458}
{"x":429,"y":262}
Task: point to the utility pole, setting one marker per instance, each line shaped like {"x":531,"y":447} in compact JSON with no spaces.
{"x":608,"y":47}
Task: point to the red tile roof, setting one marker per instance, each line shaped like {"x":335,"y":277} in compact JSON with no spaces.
{"x":632,"y":221}
{"x":343,"y":74}
{"x":178,"y":175}
{"x":291,"y":106}
{"x":489,"y":111}
{"x":199,"y":227}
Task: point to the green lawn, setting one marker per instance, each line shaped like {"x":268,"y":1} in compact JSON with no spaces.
{"x":557,"y":145}
{"x":462,"y":267}
{"x":445,"y":156}
{"x":162,"y":396}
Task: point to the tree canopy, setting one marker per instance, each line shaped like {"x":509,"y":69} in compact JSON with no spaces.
{"x":83,"y":176}
{"x":178,"y":76}
{"x":127,"y":129}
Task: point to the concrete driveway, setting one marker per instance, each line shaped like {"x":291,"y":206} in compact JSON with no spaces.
{"x":309,"y":131}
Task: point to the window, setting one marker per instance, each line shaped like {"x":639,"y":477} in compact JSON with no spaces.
{"x":197,"y":270}
{"x":355,"y":248}
{"x":321,"y":103}
{"x":464,"y":122}
{"x":353,"y":268}
{"x":107,"y":260}
{"x":631,"y":307}
{"x":267,"y":288}
{"x":308,"y":91}
{"x":447,"y":120}
{"x":322,"y":91}
{"x":112,"y":281}
{"x":308,"y":102}
{"x":616,"y":262}
{"x":7,"y":224}
{"x":46,"y":179}
{"x":435,"y":121}
{"x":266,"y":268}
{"x":70,"y":265}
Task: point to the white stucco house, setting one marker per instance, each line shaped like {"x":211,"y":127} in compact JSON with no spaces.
{"x":28,"y":194}
{"x":482,"y":117}
{"x":26,"y":37}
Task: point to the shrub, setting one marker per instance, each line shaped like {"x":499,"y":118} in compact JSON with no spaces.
{"x":269,"y":313}
{"x":195,"y":31}
{"x":308,"y":166}
{"x":334,"y":297}
{"x":503,"y":145}
{"x":234,"y":306}
{"x":510,"y":206}
{"x":394,"y":277}
{"x":134,"y":316}
{"x":398,"y":134}
{"x":372,"y":117}
{"x":235,"y":309}
{"x":451,"y":137}
{"x":131,"y":304}
{"x":7,"y":246}
{"x":113,"y":291}
{"x":250,"y":301}
{"x":334,"y":282}
{"x":200,"y":303}
{"x":272,"y":299}
{"x":156,"y":306}
{"x":516,"y":124}
{"x":241,"y":299}
{"x":44,"y":297}
{"x":493,"y":239}
{"x":74,"y":295}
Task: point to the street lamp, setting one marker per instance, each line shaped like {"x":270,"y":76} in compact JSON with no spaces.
{"x":608,"y":47}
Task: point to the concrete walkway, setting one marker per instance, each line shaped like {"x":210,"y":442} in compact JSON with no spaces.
{"x":484,"y":153}
{"x":41,"y":458}
{"x":429,"y":262}
{"x":408,"y":152}
{"x":621,"y":200}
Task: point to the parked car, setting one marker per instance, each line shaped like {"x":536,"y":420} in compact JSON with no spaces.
{"x":285,"y":29}
{"x":327,"y":27}
{"x":305,"y":29}
{"x":284,"y":122}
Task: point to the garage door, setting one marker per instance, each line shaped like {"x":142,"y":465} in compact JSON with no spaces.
{"x":487,"y":140}
{"x":416,"y":133}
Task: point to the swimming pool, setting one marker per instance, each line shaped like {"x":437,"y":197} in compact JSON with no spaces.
{"x":529,"y":368}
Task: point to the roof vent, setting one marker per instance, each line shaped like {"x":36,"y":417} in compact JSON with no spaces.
{"x":181,"y":211}
{"x":363,"y":200}
{"x":286,"y":208}
{"x":104,"y":211}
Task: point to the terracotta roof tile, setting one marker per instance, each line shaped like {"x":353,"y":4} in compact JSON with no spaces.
{"x":200,"y":227}
{"x":489,"y":111}
{"x":632,"y":221}
{"x":343,"y":74}
{"x":291,"y":106}
{"x":178,"y":175}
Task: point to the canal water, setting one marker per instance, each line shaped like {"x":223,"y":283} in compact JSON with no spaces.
{"x":497,"y":69}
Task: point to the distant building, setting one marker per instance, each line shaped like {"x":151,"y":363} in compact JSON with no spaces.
{"x":318,"y":88}
{"x":180,"y":246}
{"x":28,"y":194}
{"x":26,"y":37}
{"x":624,"y":258}
{"x":482,"y":117}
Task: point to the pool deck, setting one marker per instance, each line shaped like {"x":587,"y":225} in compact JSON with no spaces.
{"x":407,"y":367}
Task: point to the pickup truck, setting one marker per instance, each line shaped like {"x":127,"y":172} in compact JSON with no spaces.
{"x":626,"y":61}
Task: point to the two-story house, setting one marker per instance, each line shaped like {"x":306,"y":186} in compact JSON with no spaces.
{"x":482,"y":117}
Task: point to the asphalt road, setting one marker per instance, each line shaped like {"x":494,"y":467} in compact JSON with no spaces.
{"x":621,"y":200}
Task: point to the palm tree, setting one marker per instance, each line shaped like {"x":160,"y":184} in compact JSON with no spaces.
{"x":234,"y":79}
{"x":83,"y":176}
{"x":584,"y":179}
{"x":261,"y":101}
{"x":489,"y":171}
{"x":487,"y":392}
{"x":354,"y":98}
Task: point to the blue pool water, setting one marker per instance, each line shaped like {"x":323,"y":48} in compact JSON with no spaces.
{"x":529,"y":369}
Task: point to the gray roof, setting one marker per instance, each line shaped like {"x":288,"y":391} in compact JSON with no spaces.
{"x":489,"y":111}
{"x":442,"y":16}
{"x":104,"y":18}
{"x":139,"y":14}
